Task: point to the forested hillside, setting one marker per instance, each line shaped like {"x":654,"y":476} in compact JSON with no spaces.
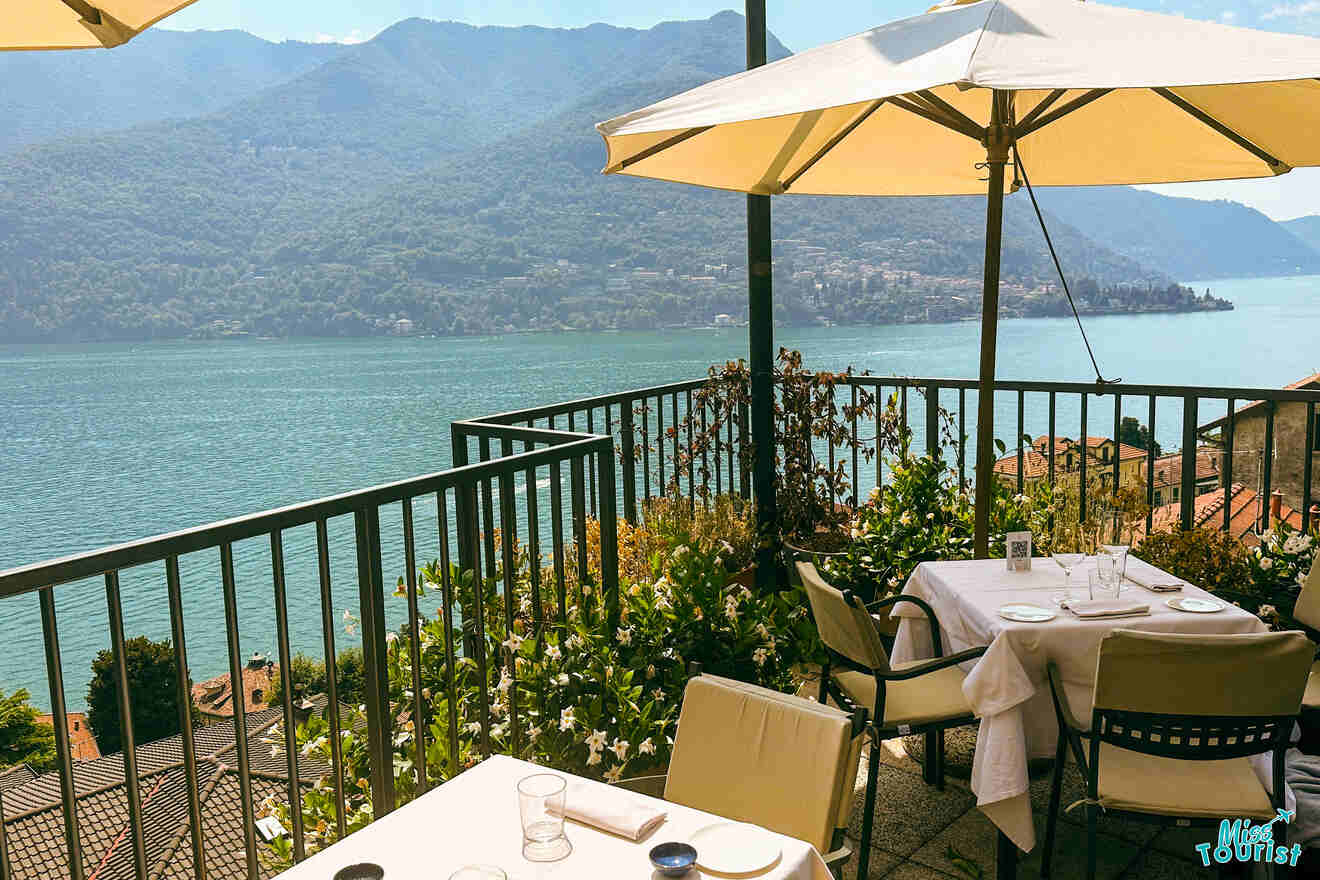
{"x":445,"y":178}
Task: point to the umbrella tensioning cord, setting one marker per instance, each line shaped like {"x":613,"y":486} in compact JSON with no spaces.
{"x":1017,"y":164}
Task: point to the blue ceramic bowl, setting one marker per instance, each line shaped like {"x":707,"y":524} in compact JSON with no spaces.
{"x":673,"y":859}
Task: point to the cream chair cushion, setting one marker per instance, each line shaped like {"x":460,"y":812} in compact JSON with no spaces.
{"x":1191,"y":674}
{"x":935,"y":696}
{"x":1171,"y":787}
{"x":1311,"y":698}
{"x":1307,"y":607}
{"x":776,"y":761}
{"x":846,"y":629}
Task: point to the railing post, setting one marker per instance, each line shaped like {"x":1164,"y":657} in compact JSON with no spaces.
{"x":463,"y":503}
{"x":744,"y":442}
{"x":609,"y":539}
{"x":375,"y":669}
{"x":1267,"y":474}
{"x":933,"y":420}
{"x":1307,"y":467}
{"x":1187,"y":499}
{"x":63,"y":750}
{"x":627,"y":442}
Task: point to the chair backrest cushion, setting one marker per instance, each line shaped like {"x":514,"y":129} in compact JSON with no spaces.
{"x":759,"y":756}
{"x":844,"y":628}
{"x":1307,"y":607}
{"x":1256,"y":674}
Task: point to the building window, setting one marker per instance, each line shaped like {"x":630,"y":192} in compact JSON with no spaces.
{"x":1175,"y":493}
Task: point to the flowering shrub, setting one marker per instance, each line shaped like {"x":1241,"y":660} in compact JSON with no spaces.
{"x":1209,"y":558}
{"x":581,"y":693}
{"x":1279,"y":567}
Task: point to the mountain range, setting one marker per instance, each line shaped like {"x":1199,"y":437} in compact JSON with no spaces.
{"x":448,"y":176}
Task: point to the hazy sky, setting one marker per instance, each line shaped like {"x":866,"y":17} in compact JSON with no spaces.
{"x":799,"y":25}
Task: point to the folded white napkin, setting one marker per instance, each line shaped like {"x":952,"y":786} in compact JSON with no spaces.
{"x":611,"y":809}
{"x":1155,"y":585}
{"x":1091,"y":608}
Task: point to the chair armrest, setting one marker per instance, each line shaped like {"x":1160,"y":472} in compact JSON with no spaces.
{"x":838,"y":856}
{"x":933,"y":665}
{"x":1060,"y":697}
{"x":924,"y":606}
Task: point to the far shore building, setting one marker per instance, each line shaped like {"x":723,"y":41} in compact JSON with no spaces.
{"x":1289,"y":453}
{"x":1166,"y":480}
{"x":215,"y":698}
{"x":1100,"y":453}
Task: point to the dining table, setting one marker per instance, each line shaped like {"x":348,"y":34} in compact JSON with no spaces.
{"x":474,"y":819}
{"x":1008,"y":687}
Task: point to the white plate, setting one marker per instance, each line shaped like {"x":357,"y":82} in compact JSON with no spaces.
{"x":1194,"y":605}
{"x":1024,"y":613}
{"x":735,"y":848}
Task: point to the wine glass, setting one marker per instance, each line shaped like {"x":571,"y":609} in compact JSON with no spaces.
{"x":1067,"y":552}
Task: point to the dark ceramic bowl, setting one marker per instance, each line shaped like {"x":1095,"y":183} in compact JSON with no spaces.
{"x":673,"y":859}
{"x":363,"y":871}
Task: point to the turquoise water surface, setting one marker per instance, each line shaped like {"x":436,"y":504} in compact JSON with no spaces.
{"x":110,"y":442}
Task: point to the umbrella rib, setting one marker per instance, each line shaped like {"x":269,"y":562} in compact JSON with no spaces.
{"x":1075,"y":104}
{"x":1046,"y":103}
{"x":658,"y":148}
{"x":1276,"y":164}
{"x":88,"y":12}
{"x":830,"y":144}
{"x":975,"y":134}
{"x":951,"y":111}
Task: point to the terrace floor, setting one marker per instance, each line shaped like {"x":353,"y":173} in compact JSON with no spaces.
{"x":915,"y":827}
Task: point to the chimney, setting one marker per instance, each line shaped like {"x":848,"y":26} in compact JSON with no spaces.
{"x":1276,"y":506}
{"x":302,"y":707}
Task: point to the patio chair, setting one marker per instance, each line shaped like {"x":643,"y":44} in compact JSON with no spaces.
{"x":1306,"y":611}
{"x":755,"y":755}
{"x":1173,"y":721}
{"x":923,"y":696}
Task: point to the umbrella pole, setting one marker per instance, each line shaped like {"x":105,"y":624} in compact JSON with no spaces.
{"x":760,"y":331}
{"x":997,"y":144}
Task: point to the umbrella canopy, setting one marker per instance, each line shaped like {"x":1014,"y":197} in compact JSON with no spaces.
{"x":1100,"y":95}
{"x":1079,"y":94}
{"x":75,"y":24}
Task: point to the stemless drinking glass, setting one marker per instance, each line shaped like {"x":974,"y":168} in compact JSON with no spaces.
{"x":541,"y":804}
{"x":1101,"y":586}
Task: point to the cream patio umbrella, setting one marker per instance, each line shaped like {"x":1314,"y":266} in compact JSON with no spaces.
{"x":1082,"y":93}
{"x":76,"y":24}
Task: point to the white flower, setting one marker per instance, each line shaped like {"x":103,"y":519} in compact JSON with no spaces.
{"x":1297,"y":544}
{"x":534,"y":732}
{"x":593,"y":758}
{"x":679,"y":552}
{"x":506,"y":681}
{"x":646,"y":747}
{"x":574,"y":642}
{"x":662,"y":602}
{"x":614,"y":774}
{"x":658,"y":695}
{"x":552,"y":652}
{"x":499,"y":730}
{"x":624,"y":635}
{"x":473,"y":727}
{"x":561,"y":679}
{"x":513,"y":642}
{"x":620,"y":748}
{"x":760,"y":655}
{"x":391,"y":638}
{"x":731,"y":608}
{"x":1267,"y":611}
{"x":595,"y":740}
{"x":1267,"y":563}
{"x":348,"y":615}
{"x":906,"y":518}
{"x":566,"y":719}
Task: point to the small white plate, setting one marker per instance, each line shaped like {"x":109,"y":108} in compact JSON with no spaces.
{"x":735,"y":848}
{"x":1194,"y":605}
{"x":1026,"y":613}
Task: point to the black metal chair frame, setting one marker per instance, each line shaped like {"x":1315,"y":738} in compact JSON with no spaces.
{"x":1183,"y":737}
{"x":933,"y":770}
{"x":835,"y":859}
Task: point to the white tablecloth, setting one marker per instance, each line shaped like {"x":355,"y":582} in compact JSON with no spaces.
{"x":473,"y":819}
{"x":1008,"y":687}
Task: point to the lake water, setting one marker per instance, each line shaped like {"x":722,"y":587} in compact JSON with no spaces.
{"x":106,"y":443}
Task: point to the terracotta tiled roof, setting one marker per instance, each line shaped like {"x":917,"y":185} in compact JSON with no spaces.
{"x":1168,"y":468}
{"x":81,"y":740}
{"x":1312,"y":381}
{"x":34,"y":822}
{"x":214,"y":697}
{"x":13,"y":777}
{"x":1208,"y":512}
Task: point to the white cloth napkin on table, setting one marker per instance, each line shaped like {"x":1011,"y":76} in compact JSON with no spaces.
{"x":1155,"y":585}
{"x":611,"y":809}
{"x":1092,"y":608}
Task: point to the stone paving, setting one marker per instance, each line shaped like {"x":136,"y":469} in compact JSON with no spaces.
{"x":917,"y":827}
